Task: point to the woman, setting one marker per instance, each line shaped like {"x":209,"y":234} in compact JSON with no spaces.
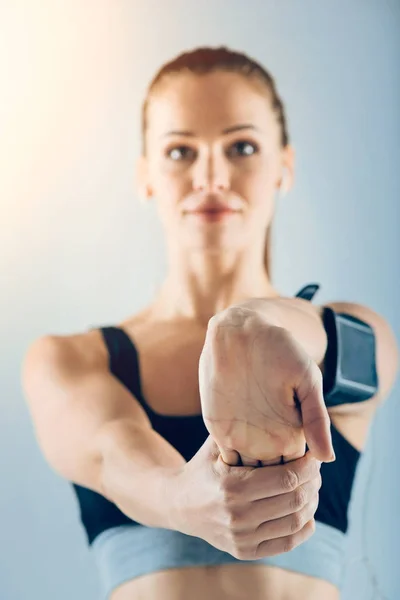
{"x":170,"y":511}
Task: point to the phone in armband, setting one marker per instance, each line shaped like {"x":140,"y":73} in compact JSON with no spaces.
{"x":350,"y":374}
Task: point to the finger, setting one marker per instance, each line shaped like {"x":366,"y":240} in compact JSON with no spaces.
{"x":247,"y":461}
{"x":266,"y":482}
{"x":230,"y":457}
{"x":316,"y":421}
{"x":285,"y":544}
{"x":272,"y":461}
{"x":290,"y":457}
{"x":288,"y":525}
{"x":284,"y":505}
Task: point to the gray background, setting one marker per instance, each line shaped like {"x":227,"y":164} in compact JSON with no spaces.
{"x":77,"y":249}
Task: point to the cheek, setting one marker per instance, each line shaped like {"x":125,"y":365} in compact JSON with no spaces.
{"x":256,"y":183}
{"x":168,"y":183}
{"x":169,"y":188}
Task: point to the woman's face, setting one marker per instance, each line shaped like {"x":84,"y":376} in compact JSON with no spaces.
{"x":213,"y":139}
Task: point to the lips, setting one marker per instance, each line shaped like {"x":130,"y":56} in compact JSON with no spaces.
{"x":212,"y":205}
{"x":212,"y":208}
{"x":212,"y":215}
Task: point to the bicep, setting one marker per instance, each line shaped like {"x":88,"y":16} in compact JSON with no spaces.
{"x":70,"y":402}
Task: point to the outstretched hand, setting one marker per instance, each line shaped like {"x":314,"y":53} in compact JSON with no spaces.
{"x":261,"y":393}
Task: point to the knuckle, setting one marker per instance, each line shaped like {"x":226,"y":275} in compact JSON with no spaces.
{"x":309,"y":511}
{"x":290,"y":480}
{"x":318,"y":480}
{"x":232,"y":327}
{"x":238,"y":319}
{"x":299,"y":498}
{"x":221,"y":319}
{"x":214,"y":322}
{"x":290,"y":543}
{"x":297,"y":522}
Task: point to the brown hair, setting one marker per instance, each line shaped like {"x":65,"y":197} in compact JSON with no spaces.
{"x":205,"y":60}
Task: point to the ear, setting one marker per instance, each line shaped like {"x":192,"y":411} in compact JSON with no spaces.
{"x":288,"y":162}
{"x":142,"y":179}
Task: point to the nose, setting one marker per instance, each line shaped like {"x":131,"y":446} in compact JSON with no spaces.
{"x":211,"y":173}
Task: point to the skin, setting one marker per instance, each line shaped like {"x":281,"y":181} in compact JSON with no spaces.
{"x":228,"y":149}
{"x":93,"y":432}
{"x":217,"y":137}
{"x":212,"y":267}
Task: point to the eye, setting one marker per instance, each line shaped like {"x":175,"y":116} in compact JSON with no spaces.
{"x":180,"y":153}
{"x":243,"y":148}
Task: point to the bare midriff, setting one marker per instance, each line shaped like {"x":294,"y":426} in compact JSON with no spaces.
{"x":226,"y":582}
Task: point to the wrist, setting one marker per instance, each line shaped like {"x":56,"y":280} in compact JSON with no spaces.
{"x":170,"y":491}
{"x":136,"y":467}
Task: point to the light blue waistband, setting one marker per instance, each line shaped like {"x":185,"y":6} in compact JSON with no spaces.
{"x":127,"y":552}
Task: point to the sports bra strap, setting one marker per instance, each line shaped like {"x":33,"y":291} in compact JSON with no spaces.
{"x":308,"y":292}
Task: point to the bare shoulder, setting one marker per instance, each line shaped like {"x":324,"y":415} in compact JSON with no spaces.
{"x":83,"y":351}
{"x":354,"y":420}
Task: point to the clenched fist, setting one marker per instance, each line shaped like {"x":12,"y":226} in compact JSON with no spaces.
{"x":261,"y":394}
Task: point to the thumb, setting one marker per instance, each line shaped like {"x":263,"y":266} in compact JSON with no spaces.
{"x":223,"y":456}
{"x":315,"y":417}
{"x":210,"y":447}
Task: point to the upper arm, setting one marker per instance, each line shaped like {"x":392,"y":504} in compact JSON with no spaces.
{"x":70,"y":399}
{"x":354,"y":419}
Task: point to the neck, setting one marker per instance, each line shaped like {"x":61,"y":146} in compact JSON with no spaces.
{"x":199,"y":288}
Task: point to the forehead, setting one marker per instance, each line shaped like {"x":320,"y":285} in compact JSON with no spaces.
{"x":209,"y":103}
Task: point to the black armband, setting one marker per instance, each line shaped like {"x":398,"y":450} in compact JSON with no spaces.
{"x":350,"y":361}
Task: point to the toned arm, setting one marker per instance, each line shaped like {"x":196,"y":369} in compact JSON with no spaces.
{"x":92,"y":430}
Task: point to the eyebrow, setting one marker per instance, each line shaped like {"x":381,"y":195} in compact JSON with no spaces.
{"x":224,"y":131}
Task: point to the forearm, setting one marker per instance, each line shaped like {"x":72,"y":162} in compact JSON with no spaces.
{"x":136,"y":472}
{"x":301,"y":318}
